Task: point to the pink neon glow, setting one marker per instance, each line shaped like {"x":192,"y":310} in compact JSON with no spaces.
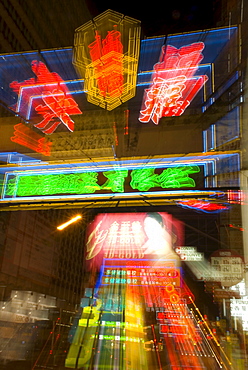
{"x":107,"y":55}
{"x":23,"y":135}
{"x":48,"y":95}
{"x":173,"y":83}
{"x":134,"y":235}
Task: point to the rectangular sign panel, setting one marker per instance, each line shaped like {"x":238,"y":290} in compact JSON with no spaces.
{"x":118,"y":180}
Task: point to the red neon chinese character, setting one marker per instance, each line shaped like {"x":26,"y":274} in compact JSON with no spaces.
{"x":107,"y":57}
{"x":47,"y":95}
{"x":174,"y":84}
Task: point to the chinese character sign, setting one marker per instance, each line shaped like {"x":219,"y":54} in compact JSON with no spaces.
{"x":45,"y":95}
{"x":174,"y":83}
{"x":228,"y":267}
{"x":107,"y":58}
{"x":115,"y":181}
{"x":133,"y":235}
{"x":106,"y":53}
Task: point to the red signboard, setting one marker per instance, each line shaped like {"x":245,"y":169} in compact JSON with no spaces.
{"x":134,"y":235}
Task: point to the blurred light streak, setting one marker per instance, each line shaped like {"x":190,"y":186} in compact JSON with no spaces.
{"x":212,"y":336}
{"x":74,"y":219}
{"x":23,"y":135}
{"x":203,"y":206}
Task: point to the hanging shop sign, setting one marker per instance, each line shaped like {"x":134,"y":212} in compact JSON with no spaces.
{"x":189,"y":254}
{"x":45,"y":95}
{"x":122,"y":180}
{"x":174,"y":83}
{"x":228,"y":267}
{"x":106,"y":54}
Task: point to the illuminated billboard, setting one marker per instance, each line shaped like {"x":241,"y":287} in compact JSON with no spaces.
{"x":118,"y":180}
{"x":133,"y":235}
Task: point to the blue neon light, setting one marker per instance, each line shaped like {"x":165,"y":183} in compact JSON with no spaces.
{"x":113,"y":195}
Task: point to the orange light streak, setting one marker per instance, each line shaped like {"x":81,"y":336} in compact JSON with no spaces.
{"x":74,"y":219}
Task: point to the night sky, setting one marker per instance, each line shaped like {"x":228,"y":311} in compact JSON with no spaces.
{"x":163,"y":17}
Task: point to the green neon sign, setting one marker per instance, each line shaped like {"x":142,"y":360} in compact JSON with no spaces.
{"x":116,"y":181}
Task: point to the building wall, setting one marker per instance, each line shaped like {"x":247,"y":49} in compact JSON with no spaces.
{"x":41,"y":24}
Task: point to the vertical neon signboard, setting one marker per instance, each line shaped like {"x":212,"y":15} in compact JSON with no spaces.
{"x":47,"y":95}
{"x":174,"y":83}
{"x":106,"y":53}
{"x":107,"y":61}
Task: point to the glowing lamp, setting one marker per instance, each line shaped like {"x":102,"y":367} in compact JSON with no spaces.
{"x":106,"y":53}
{"x":71,"y":221}
{"x":174,"y":83}
{"x":46,"y":95}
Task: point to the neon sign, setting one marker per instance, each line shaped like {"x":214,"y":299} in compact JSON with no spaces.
{"x":23,"y":135}
{"x":107,"y":58}
{"x":46,"y":95}
{"x":173,"y":83}
{"x":106,"y":54}
{"x":145,"y":178}
{"x":203,"y":206}
{"x":22,"y":185}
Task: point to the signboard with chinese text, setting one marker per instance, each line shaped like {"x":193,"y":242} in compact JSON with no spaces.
{"x":229,"y":267}
{"x":174,"y":83}
{"x":112,"y":181}
{"x":142,"y":272}
{"x":189,"y":254}
{"x":135,"y":236}
{"x":45,"y":95}
{"x":106,"y":53}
